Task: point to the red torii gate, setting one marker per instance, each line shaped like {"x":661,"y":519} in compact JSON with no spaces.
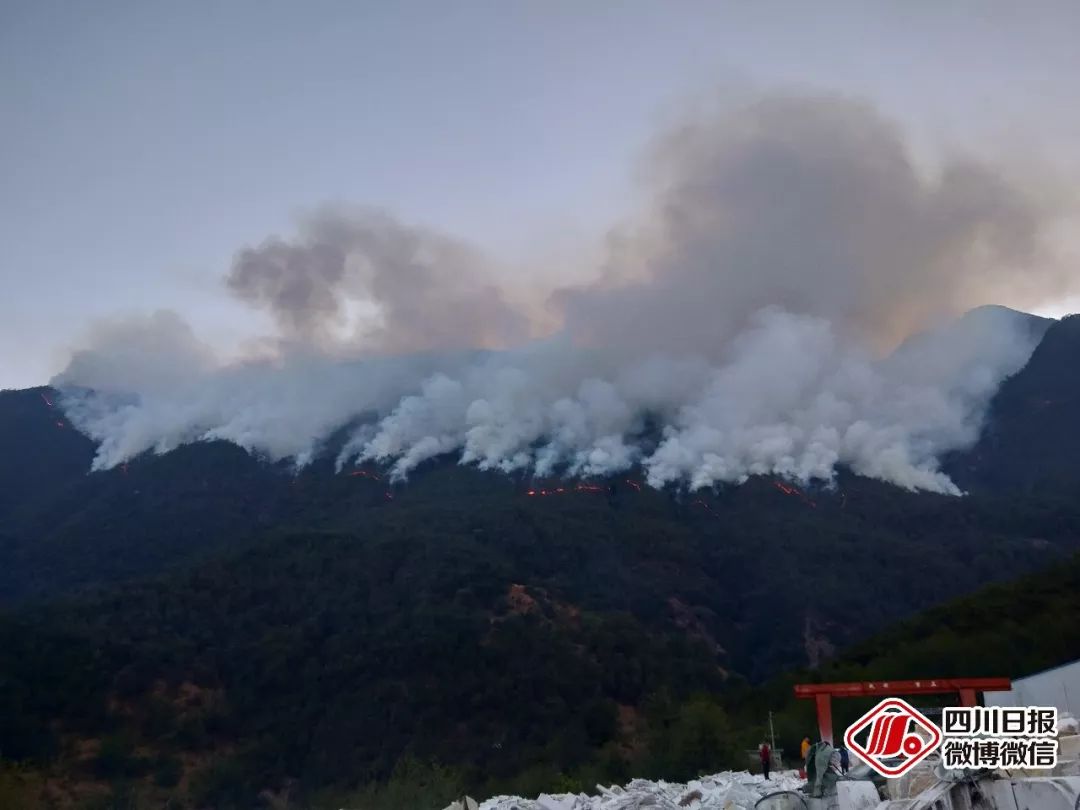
{"x":823,"y":693}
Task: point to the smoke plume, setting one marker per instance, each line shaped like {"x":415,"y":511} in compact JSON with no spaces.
{"x":814,"y":205}
{"x":738,"y":326}
{"x":427,"y":290}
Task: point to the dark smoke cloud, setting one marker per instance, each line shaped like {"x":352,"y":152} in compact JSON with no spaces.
{"x":428,"y":290}
{"x":812,"y":204}
{"x":139,"y":354}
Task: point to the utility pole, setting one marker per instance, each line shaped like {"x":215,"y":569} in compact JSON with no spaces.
{"x":772,"y":739}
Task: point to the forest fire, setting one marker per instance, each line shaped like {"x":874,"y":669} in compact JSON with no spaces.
{"x":703,"y":505}
{"x":589,"y":488}
{"x":372,"y":476}
{"x":563,"y":490}
{"x":48,"y":402}
{"x":533,"y":492}
{"x":794,"y":492}
{"x":365,"y":474}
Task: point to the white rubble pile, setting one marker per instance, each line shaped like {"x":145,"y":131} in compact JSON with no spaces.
{"x":729,"y":790}
{"x":1068,"y":725}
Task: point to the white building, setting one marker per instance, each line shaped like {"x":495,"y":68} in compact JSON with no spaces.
{"x":1059,"y":687}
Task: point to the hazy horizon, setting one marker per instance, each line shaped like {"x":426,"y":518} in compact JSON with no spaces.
{"x":145,"y":147}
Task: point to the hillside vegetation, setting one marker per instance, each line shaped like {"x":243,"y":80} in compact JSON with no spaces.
{"x":324,"y":661}
{"x":205,"y":629}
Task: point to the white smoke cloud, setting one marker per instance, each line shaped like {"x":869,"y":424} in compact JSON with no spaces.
{"x":279,"y":410}
{"x":787,"y":399}
{"x":735,"y":330}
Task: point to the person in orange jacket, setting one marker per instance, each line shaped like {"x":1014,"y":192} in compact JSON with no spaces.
{"x":805,"y":747}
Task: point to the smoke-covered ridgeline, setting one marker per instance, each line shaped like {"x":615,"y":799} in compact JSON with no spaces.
{"x":735,"y":328}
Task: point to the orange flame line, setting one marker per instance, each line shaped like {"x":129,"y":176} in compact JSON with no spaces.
{"x":794,"y":492}
{"x":365,"y":474}
{"x":532,"y":493}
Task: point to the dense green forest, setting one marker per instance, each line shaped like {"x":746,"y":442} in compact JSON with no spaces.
{"x":231,"y":682}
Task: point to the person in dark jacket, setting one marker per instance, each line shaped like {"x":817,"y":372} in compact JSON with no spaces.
{"x":843,"y":760}
{"x":766,"y":758}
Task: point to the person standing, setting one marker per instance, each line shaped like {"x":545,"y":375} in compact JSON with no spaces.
{"x":766,"y":759}
{"x":844,"y":762}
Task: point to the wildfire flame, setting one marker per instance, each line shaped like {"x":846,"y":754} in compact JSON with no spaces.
{"x":793,"y":492}
{"x":365,"y":474}
{"x":532,"y":493}
{"x":703,"y":505}
{"x":387,"y":494}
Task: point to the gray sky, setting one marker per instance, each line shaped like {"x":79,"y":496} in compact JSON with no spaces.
{"x":144,"y":143}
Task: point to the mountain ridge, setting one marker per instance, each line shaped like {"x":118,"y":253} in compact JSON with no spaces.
{"x":249,"y":623}
{"x":64,"y":527}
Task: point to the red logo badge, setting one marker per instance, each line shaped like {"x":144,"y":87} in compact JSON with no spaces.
{"x":895,"y":737}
